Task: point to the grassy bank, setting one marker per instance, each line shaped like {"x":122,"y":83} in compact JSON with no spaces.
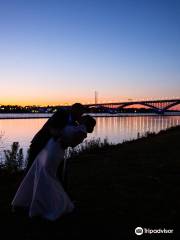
{"x":116,"y":189}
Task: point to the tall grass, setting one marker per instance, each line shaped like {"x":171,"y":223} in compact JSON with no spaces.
{"x":88,"y":146}
{"x":14,"y":158}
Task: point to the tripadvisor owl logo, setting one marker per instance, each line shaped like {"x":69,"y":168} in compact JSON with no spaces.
{"x":138,"y":231}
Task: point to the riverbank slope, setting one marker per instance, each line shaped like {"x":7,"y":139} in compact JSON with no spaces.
{"x":115,"y":189}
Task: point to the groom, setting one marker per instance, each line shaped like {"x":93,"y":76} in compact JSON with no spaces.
{"x":52,"y":129}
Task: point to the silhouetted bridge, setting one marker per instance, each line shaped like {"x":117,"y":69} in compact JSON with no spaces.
{"x":160,"y":106}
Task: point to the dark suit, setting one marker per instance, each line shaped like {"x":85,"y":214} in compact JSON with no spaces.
{"x":58,"y":121}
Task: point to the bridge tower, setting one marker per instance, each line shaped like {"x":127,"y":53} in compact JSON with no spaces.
{"x":96,"y":97}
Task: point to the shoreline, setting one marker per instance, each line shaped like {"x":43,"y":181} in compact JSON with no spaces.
{"x":135,"y":183}
{"x":47,"y":115}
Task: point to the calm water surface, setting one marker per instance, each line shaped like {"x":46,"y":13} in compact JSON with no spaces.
{"x":116,"y":129}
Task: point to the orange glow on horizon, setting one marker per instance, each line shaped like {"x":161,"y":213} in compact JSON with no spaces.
{"x":45,"y":102}
{"x":41,"y":102}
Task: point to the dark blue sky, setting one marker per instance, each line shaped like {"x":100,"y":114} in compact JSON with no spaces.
{"x":62,"y":51}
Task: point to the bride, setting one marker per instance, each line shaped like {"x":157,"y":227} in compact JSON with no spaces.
{"x":41,"y":191}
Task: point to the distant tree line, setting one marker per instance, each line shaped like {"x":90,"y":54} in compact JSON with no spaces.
{"x":53,"y":109}
{"x":27,"y":109}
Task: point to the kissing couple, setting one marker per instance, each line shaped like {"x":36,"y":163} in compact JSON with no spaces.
{"x":42,"y":192}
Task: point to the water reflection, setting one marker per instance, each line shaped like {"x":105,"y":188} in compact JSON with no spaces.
{"x":116,"y":129}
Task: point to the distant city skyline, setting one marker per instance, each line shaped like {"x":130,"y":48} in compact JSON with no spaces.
{"x":61,"y":52}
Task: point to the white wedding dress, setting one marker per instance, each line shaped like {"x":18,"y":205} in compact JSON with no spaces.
{"x":40,"y":191}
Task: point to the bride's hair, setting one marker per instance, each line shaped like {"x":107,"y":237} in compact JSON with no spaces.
{"x":89,"y":122}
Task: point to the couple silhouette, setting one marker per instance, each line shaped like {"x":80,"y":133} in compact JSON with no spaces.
{"x":43,"y":191}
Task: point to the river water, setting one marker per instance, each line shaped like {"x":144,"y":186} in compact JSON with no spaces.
{"x":115,"y":129}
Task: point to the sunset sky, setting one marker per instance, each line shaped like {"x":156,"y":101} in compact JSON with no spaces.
{"x":61,"y":51}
